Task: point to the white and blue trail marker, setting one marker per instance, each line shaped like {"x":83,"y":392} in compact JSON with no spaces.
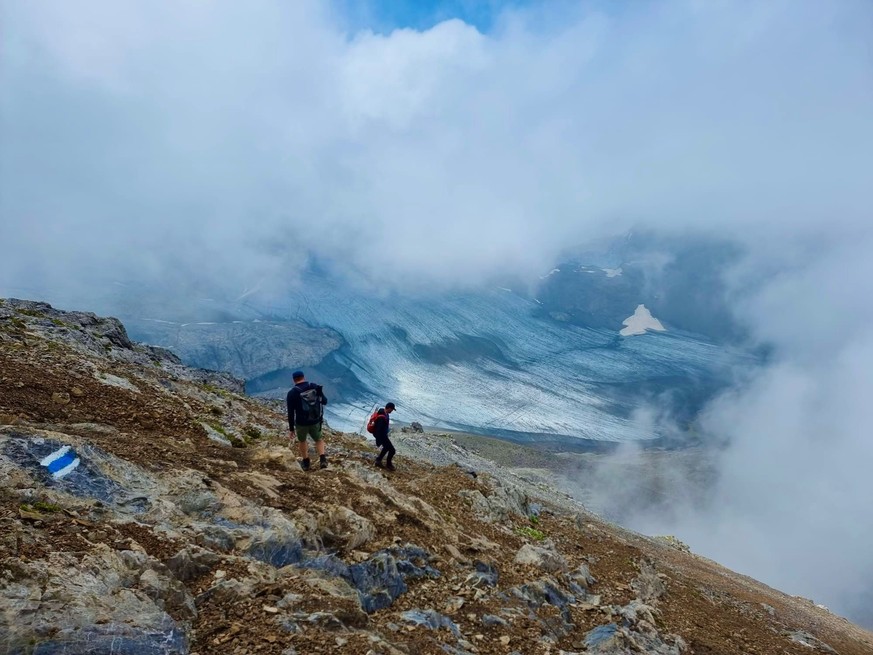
{"x":61,"y":462}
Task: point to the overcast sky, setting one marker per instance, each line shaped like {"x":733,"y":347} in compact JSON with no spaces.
{"x":140,"y":137}
{"x":225,"y":143}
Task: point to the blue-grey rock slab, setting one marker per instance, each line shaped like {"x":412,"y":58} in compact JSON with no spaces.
{"x":602,"y":638}
{"x":381,"y":579}
{"x":63,"y":466}
{"x":112,"y":639}
{"x":430,"y":619}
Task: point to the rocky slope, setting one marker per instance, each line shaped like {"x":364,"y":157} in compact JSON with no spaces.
{"x":247,"y":349}
{"x":147,"y":508}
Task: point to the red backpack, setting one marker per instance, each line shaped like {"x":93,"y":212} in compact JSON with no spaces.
{"x":371,"y":424}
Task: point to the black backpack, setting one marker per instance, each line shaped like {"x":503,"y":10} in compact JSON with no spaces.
{"x":310,"y":401}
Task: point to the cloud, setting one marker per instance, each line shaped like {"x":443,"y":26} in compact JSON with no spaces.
{"x":785,"y":495}
{"x":221,"y":146}
{"x":248,"y":138}
{"x":792,"y":503}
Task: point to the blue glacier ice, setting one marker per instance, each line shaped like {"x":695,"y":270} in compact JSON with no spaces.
{"x":486,"y":362}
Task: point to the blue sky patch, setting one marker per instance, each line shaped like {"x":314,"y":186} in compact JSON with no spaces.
{"x":387,"y":15}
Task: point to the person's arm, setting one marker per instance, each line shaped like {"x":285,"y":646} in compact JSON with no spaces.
{"x":321,"y":394}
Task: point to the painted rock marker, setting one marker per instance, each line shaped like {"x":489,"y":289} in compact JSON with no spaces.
{"x":61,"y":462}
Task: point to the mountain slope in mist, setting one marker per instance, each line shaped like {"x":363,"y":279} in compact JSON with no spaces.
{"x":480,"y":361}
{"x":151,"y":508}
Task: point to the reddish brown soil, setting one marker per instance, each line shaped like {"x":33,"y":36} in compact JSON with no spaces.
{"x":714,"y":610}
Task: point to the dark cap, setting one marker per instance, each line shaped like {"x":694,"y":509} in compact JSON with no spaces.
{"x":390,"y":406}
{"x":296,"y":375}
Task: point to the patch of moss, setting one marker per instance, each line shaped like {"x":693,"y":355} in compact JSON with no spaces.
{"x":234,"y":440}
{"x":47,"y":507}
{"x":31,"y":312}
{"x":211,"y":388}
{"x":218,"y":427}
{"x":531,"y":533}
{"x":38,"y":509}
{"x":252,"y":433}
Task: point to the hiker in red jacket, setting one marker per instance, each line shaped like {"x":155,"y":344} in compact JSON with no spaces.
{"x":380,"y":431}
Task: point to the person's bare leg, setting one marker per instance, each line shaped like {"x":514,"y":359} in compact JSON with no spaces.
{"x":302,"y":449}
{"x":319,"y":447}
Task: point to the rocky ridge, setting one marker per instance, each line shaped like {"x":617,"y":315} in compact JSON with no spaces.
{"x":248,"y":349}
{"x":148,"y":508}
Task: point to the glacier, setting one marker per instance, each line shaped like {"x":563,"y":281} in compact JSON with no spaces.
{"x":486,"y":362}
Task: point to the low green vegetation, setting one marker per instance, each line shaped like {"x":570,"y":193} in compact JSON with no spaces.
{"x":43,"y":506}
{"x":40,"y":507}
{"x":234,"y":440}
{"x":31,"y":312}
{"x":218,"y":427}
{"x":530,"y":533}
{"x":211,"y":388}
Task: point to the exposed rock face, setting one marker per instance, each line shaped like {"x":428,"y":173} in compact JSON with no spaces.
{"x":245,"y":349}
{"x":128,"y":527}
{"x":72,"y":605}
{"x":414,"y":427}
{"x":103,"y":337}
{"x":545,"y":559}
{"x":603,"y":296}
{"x":648,"y":586}
{"x":504,"y":503}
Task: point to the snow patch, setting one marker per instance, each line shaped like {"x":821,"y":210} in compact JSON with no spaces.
{"x":612,"y":272}
{"x":550,"y":273}
{"x":641,"y":321}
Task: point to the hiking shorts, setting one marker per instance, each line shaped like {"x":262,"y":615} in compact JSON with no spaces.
{"x":313,"y":431}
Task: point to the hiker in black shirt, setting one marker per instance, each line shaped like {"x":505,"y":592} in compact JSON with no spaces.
{"x":305,"y":417}
{"x":380,"y":431}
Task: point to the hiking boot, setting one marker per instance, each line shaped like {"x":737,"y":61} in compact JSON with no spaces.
{"x":378,"y":464}
{"x":304,"y":464}
{"x":390,"y":466}
{"x":322,"y":462}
